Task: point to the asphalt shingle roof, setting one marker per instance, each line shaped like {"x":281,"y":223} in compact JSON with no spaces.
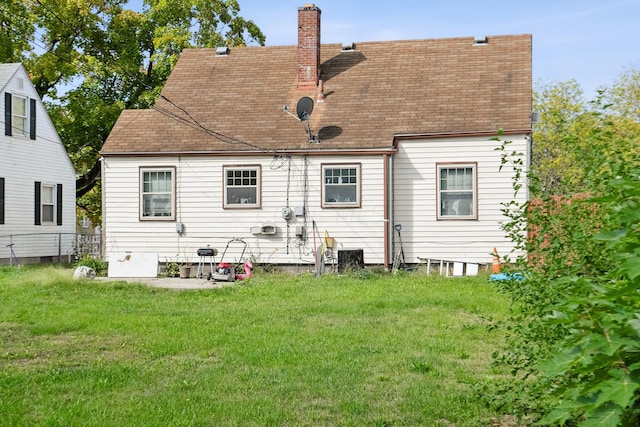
{"x":434,"y":86}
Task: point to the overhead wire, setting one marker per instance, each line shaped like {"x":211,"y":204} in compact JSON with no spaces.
{"x":218,"y":135}
{"x":2,"y":122}
{"x":193,"y":122}
{"x":222,"y":137}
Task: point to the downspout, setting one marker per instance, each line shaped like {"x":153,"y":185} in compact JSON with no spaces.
{"x":180,"y":227}
{"x":529,"y":162}
{"x":387,"y":195}
{"x":103,"y":233}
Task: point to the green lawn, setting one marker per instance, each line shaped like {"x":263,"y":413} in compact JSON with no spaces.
{"x":406,"y":350}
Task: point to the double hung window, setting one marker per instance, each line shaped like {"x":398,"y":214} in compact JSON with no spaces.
{"x":457,"y":192}
{"x":19,"y":116}
{"x":20,"y":120}
{"x":157,"y":193}
{"x":341,"y":185}
{"x":47,"y":204}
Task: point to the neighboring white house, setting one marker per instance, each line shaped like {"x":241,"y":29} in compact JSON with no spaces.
{"x":401,"y":132}
{"x":37,"y":178}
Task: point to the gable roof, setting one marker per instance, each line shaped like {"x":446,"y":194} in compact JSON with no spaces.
{"x":234,"y":103}
{"x":7,"y":71}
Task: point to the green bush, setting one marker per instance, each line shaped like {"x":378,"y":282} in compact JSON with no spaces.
{"x":171,"y":269}
{"x":97,"y":264}
{"x":574,"y":331}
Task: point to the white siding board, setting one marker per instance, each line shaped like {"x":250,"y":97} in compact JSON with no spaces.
{"x":22,"y":163}
{"x":199,"y":184}
{"x":199,"y":206}
{"x":415,"y":199}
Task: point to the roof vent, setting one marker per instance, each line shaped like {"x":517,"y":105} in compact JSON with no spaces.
{"x":480,"y":41}
{"x":222,"y":51}
{"x":348,"y":46}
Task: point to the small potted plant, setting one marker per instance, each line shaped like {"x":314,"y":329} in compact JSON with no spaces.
{"x":185,"y":270}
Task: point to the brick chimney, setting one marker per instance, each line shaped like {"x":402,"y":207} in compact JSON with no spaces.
{"x":308,"y":46}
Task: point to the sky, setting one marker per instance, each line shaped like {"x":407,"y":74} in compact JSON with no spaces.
{"x":590,"y":41}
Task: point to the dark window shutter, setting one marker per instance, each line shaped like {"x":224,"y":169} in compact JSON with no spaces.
{"x":38,"y":210}
{"x":32,"y":118}
{"x":1,"y":200}
{"x":7,"y":114}
{"x":59,"y":204}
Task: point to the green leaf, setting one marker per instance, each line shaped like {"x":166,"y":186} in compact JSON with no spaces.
{"x":560,"y":362}
{"x":608,"y":416}
{"x":614,"y":235}
{"x":635,"y":324}
{"x":558,"y":416}
{"x":632,"y":266}
{"x":620,"y":389}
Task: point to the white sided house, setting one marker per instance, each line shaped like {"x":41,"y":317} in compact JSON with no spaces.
{"x":283,"y":146}
{"x":37,"y":178}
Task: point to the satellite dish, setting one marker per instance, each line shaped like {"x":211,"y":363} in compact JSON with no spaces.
{"x":304,"y":108}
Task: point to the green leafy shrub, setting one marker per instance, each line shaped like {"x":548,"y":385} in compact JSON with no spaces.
{"x":574,"y":331}
{"x":97,"y":264}
{"x":171,"y":269}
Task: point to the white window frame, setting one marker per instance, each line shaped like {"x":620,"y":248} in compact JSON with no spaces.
{"x":48,"y":206}
{"x":335,"y":190}
{"x":147,"y":212}
{"x":16,"y":118}
{"x":463,"y":187}
{"x":241,"y":179}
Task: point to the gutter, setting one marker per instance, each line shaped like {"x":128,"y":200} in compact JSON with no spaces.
{"x":409,"y":136}
{"x":328,"y":152}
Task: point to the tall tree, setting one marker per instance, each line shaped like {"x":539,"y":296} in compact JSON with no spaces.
{"x":16,"y":31}
{"x":90,"y":59}
{"x":560,"y":105}
{"x":624,"y":95}
{"x":570,"y":133}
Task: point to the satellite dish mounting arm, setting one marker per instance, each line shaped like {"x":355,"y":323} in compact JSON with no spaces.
{"x":286,"y":110}
{"x":311,"y":137}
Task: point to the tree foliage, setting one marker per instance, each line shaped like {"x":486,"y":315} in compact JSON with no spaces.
{"x":90,"y":59}
{"x":563,"y":139}
{"x":560,"y":107}
{"x":624,"y":96}
{"x":16,"y":31}
{"x":574,"y":333}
